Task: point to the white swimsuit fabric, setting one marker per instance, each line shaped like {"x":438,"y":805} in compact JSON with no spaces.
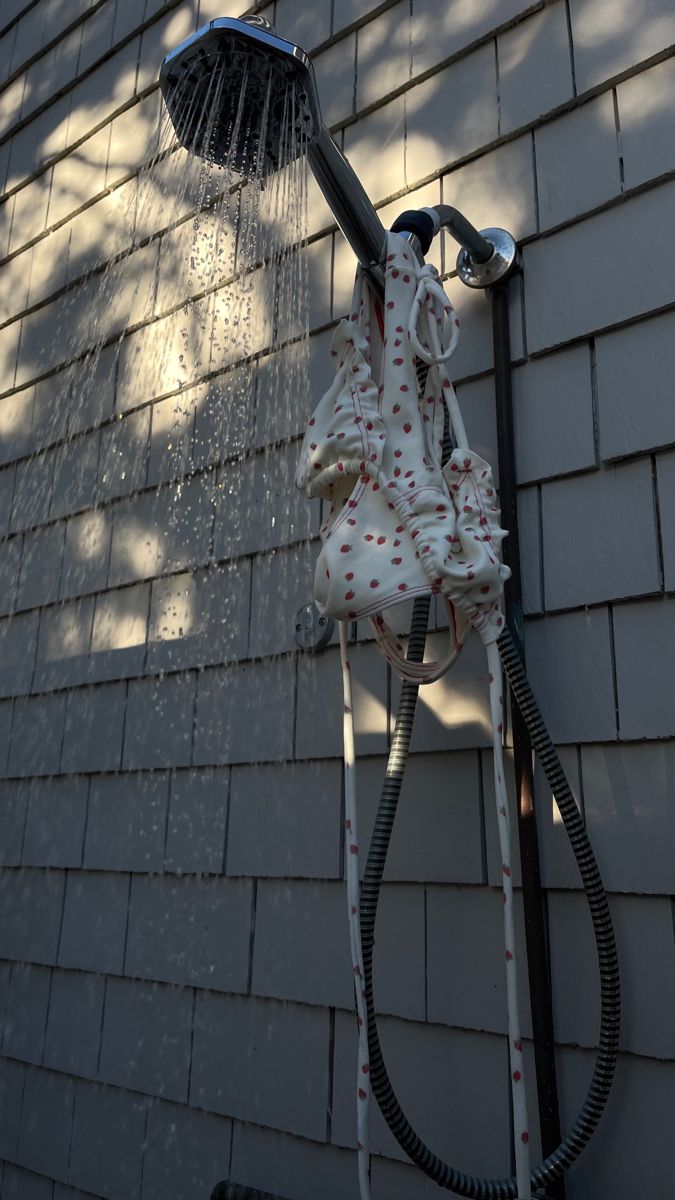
{"x":399,"y":526}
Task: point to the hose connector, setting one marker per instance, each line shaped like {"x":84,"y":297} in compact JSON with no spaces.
{"x":420,"y":222}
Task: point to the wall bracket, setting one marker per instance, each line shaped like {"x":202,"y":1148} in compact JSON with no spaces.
{"x":503,"y":261}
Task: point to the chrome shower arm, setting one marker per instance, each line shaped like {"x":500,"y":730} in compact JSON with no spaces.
{"x":350,"y":204}
{"x":482,"y":261}
{"x":464,"y":232}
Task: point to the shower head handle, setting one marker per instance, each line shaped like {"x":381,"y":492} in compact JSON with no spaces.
{"x":350,"y":205}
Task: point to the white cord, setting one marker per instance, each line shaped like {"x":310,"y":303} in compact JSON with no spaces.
{"x":521,"y":1136}
{"x":353,"y":901}
{"x":429,"y":289}
{"x":431,"y":302}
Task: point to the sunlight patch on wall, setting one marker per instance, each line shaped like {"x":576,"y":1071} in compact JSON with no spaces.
{"x":15,"y":415}
{"x":92,"y":536}
{"x":120,"y":619}
{"x":69,"y":632}
{"x":453,"y":710}
{"x":173,"y":614}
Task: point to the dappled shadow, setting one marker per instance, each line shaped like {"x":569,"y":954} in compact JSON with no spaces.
{"x":609,"y":37}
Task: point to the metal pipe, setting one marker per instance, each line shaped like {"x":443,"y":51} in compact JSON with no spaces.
{"x":350,"y":204}
{"x":478,"y":247}
{"x":533,"y":900}
{"x":359,"y":221}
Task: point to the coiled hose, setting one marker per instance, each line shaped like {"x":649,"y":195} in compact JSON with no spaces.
{"x":572,"y":1145}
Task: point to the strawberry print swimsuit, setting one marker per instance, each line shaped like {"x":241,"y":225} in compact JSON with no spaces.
{"x":399,"y":525}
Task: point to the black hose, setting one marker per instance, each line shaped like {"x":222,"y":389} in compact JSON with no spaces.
{"x":534,"y":919}
{"x":572,"y":1145}
{"x":237,"y":1191}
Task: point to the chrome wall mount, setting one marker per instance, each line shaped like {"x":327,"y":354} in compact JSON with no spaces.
{"x":313,"y":630}
{"x":503,"y":261}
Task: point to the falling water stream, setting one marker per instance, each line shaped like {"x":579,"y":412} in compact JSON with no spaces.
{"x":178,"y":383}
{"x":181,"y":364}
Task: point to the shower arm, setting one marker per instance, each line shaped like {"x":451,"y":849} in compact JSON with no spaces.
{"x":483,"y":260}
{"x":477,"y":247}
{"x":350,"y":205}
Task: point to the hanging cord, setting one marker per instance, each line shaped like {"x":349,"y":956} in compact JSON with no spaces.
{"x":430,"y":295}
{"x":610,"y":1005}
{"x":521,"y":1133}
{"x":596,"y":1099}
{"x":352,"y":871}
{"x":372,"y":1060}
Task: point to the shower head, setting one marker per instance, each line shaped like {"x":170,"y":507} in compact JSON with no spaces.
{"x":239,"y":94}
{"x":236,"y":76}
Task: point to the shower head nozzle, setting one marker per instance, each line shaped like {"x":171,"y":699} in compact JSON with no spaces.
{"x":234,"y":77}
{"x":241,"y":96}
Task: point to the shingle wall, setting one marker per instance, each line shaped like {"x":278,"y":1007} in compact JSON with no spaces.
{"x":175,"y":1004}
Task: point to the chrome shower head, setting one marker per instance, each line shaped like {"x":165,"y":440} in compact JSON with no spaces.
{"x":234,"y":78}
{"x":232,"y":81}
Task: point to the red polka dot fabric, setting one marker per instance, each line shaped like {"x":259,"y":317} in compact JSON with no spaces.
{"x":399,"y":525}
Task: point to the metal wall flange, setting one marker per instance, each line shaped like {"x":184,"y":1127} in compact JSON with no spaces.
{"x":313,"y":630}
{"x":503,"y":261}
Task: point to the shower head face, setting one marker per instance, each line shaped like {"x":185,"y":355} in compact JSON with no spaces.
{"x":239,"y":95}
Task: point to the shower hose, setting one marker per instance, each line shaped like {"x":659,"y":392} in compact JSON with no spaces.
{"x":572,"y":1145}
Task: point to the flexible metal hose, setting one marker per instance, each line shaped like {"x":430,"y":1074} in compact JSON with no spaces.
{"x":572,"y":1145}
{"x":237,"y":1191}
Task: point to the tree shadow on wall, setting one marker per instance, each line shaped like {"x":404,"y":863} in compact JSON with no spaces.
{"x":137,"y":395}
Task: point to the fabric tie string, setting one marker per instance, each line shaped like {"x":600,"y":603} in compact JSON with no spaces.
{"x":353,"y":904}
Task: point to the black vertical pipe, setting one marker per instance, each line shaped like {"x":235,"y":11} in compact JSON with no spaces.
{"x":533,"y":901}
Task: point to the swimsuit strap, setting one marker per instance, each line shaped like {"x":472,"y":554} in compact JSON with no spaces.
{"x":427,"y":672}
{"x":429,"y":292}
{"x":432,"y":309}
{"x":353,"y":894}
{"x":521,"y":1136}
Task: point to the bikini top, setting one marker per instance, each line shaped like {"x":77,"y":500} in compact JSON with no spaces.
{"x":399,"y":525}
